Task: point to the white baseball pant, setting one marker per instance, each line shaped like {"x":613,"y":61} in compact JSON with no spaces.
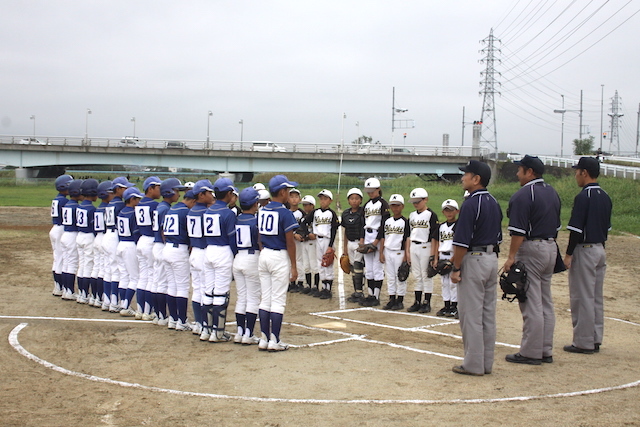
{"x":420,"y":253}
{"x":218,"y":273}
{"x":245,"y":273}
{"x":300,"y":261}
{"x":69,"y":252}
{"x":84,"y":242}
{"x":196,"y":262}
{"x":109,"y":247}
{"x":55,"y":234}
{"x":274,"y":268}
{"x":98,"y":257}
{"x":449,"y":289}
{"x":128,"y":265}
{"x":354,"y":255}
{"x":176,"y":259}
{"x":159,"y":284}
{"x":392,"y":261}
{"x":144,"y":253}
{"x":309,"y":257}
{"x":373,"y":268}
{"x":326,"y":273}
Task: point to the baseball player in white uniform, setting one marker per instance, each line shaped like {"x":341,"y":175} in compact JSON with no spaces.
{"x":353,"y":224}
{"x":304,"y":235}
{"x":62,"y":185}
{"x":424,"y":247}
{"x":294,"y":203}
{"x":376,"y":212}
{"x":325,"y":226}
{"x":445,"y":251}
{"x":393,"y":253}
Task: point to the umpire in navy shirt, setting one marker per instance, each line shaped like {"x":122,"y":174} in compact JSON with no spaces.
{"x":475,"y":268}
{"x":585,"y":257}
{"x":534,"y":221}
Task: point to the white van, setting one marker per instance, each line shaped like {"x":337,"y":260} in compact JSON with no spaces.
{"x":267,"y":146}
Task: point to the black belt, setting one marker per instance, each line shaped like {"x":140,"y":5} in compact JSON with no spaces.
{"x":111,"y":230}
{"x":540,"y":239}
{"x":177,"y":245}
{"x":481,"y":248}
{"x":369,"y":230}
{"x":250,"y":251}
{"x":446,"y":253}
{"x":319,"y":237}
{"x":354,"y":240}
{"x":418,"y":243}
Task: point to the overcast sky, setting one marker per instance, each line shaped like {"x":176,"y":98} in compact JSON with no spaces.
{"x":289,"y":69}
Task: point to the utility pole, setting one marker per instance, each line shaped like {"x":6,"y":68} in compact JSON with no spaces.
{"x":638,"y":130}
{"x":580,"y":114}
{"x":489,"y":134}
{"x":615,"y":122}
{"x":398,"y":123}
{"x":601,"y":113}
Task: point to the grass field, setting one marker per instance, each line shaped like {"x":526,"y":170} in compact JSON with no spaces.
{"x":625,"y":193}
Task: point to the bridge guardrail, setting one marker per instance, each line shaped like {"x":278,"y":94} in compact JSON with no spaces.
{"x":605,"y":168}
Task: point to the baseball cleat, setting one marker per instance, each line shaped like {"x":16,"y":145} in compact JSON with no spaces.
{"x":196,"y":328}
{"x":146,"y":317}
{"x":97,"y":303}
{"x":205,"y":334}
{"x":370,"y":301}
{"x":171,"y":324}
{"x":356,"y":297}
{"x":315,"y":292}
{"x":237,"y":339}
{"x":305,"y":290}
{"x":57,"y":290}
{"x":415,"y":307}
{"x":326,"y":294}
{"x":263,"y":343}
{"x":218,"y":337}
{"x":163,"y":322}
{"x":105,"y":306}
{"x":388,"y":305}
{"x":67,"y":295}
{"x":397,"y":306}
{"x":114,"y":308}
{"x":250,"y":340}
{"x":425,"y":308}
{"x":276,"y":345}
{"x":453,"y":312}
{"x":127,"y":312}
{"x":180,"y":326}
{"x":138,"y":315}
{"x":443,"y":312}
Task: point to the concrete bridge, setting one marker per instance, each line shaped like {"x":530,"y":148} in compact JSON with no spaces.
{"x":235,"y":157}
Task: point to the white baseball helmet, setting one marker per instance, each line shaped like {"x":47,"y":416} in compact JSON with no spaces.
{"x":354,"y":191}
{"x":189,"y":185}
{"x":310,"y":200}
{"x":259,"y":186}
{"x":327,"y":193}
{"x":396,"y":199}
{"x":263,"y":195}
{"x":450,"y":203}
{"x":418,"y":194}
{"x":371,"y":184}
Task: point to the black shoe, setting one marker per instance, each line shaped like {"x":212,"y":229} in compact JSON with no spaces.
{"x":456,"y":315}
{"x":443,"y":311}
{"x":370,"y":301}
{"x":356,"y":297}
{"x":573,"y":349}
{"x":460,"y":370}
{"x":297,"y":288}
{"x":388,"y":305}
{"x":305,"y":290}
{"x":291,"y":287}
{"x":596,"y":348}
{"x":453,"y":312}
{"x":415,"y":307}
{"x":518,"y":358}
{"x":425,"y":308}
{"x":325,"y":294}
{"x":397,"y":306}
{"x":547,"y":359}
{"x":315,"y":293}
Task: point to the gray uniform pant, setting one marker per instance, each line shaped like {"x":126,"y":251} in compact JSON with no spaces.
{"x":586,"y":279}
{"x":538,"y":317}
{"x":477,"y":310}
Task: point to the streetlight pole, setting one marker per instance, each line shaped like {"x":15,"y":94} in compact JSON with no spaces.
{"x":344,"y":116}
{"x":208,"y":117}
{"x":86,"y":127}
{"x":133,"y":119}
{"x":241,"y":129}
{"x":33,"y":117}
{"x":562,"y":111}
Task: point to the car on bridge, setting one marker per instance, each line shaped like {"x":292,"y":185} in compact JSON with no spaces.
{"x":175,"y":144}
{"x":267,"y":146}
{"x":129,"y":141}
{"x":33,"y":141}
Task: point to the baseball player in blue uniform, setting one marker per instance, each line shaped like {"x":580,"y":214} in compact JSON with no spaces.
{"x":128,"y":235}
{"x":170,"y":192}
{"x":145,"y":211}
{"x":176,"y":258}
{"x":277,"y":262}
{"x":475,"y":268}
{"x":534,"y":221}
{"x":99,"y":262}
{"x":245,"y":268}
{"x":220,"y":234}
{"x":203,"y":192}
{"x":62,"y":186}
{"x":84,"y":241}
{"x":68,"y":240}
{"x":110,"y":240}
{"x":393,"y":251}
{"x":586,"y":258}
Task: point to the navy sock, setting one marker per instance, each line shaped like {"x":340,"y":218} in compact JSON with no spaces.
{"x":181,"y":308}
{"x":265,"y":317}
{"x":72,"y":282}
{"x":99,"y":288}
{"x":106,"y":290}
{"x":161,"y":305}
{"x":251,"y":322}
{"x":276,"y":324}
{"x":140,"y":299}
{"x":173,"y":308}
{"x":114,"y":291}
{"x":55,"y":277}
{"x":122,"y":293}
{"x":148,"y":302}
{"x":241,"y":321}
{"x":197,"y":311}
{"x":128,"y":296}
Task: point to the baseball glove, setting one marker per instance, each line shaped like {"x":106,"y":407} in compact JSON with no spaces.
{"x":367,"y":249}
{"x":431,"y":272}
{"x":344,"y":264}
{"x":514,"y":282}
{"x":328,"y":257}
{"x":403,"y":271}
{"x":444,"y":267}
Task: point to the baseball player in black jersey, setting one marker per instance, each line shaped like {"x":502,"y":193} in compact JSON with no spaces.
{"x":353,"y":225}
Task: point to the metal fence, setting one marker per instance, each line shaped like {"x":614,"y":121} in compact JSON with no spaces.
{"x":605,"y":168}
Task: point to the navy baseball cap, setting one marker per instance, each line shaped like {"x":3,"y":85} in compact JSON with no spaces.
{"x":279,"y":182}
{"x":478,"y":168}
{"x":223,"y":184}
{"x":121,"y":181}
{"x":190,"y":195}
{"x":74,"y":187}
{"x":89,"y":187}
{"x":132,"y":192}
{"x":202,"y":186}
{"x":152,"y":180}
{"x":104,"y":188}
{"x":168,"y":185}
{"x":248,"y":197}
{"x":63,"y":181}
{"x":590,"y":164}
{"x":531,"y":162}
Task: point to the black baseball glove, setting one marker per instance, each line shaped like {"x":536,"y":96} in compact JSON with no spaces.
{"x":403,"y":271}
{"x":367,"y":249}
{"x":444,"y":267}
{"x":431,"y":272}
{"x":514,"y":282}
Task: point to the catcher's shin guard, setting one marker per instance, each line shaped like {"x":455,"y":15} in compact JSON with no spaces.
{"x":220,"y":313}
{"x":207,"y":317}
{"x":358,"y":275}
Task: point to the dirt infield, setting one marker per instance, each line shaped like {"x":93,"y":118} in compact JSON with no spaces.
{"x":351,"y":367}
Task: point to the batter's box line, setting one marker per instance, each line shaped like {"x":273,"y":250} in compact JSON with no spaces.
{"x":424,"y":328}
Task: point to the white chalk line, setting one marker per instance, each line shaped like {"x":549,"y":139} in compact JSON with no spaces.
{"x":14,"y":342}
{"x":341,"y":295}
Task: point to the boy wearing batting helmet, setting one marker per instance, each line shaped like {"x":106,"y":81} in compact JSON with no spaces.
{"x":376,"y":212}
{"x":68,"y":240}
{"x":393,"y":251}
{"x":62,"y":186}
{"x":85,"y":239}
{"x":100,"y":263}
{"x":128,"y":235}
{"x":325,"y":226}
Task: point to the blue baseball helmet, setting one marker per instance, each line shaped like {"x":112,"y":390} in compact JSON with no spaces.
{"x":168,"y":185}
{"x":74,"y":188}
{"x":63,"y":181}
{"x":104,"y":188}
{"x":89,"y":187}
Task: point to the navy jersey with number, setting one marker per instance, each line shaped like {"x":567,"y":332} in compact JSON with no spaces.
{"x":126,"y":225}
{"x":98,"y":218}
{"x":194,"y":226}
{"x":112,"y":210}
{"x":219,"y":224}
{"x":247,"y":232}
{"x":144,"y":216}
{"x":56,"y":208}
{"x":84,"y":216}
{"x":274,"y":221}
{"x":158,"y":220}
{"x":69,"y":216}
{"x":175,"y":224}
